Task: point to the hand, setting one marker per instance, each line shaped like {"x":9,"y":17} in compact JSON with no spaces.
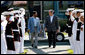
{"x":45,"y":29}
{"x":40,"y":31}
{"x":81,"y":29}
{"x":57,"y":31}
{"x":28,"y":30}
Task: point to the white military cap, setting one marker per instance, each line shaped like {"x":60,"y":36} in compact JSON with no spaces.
{"x":22,"y":9}
{"x":79,"y":10}
{"x":7,"y":13}
{"x":3,"y":18}
{"x":16,"y":11}
{"x":10,"y":8}
{"x":69,"y":9}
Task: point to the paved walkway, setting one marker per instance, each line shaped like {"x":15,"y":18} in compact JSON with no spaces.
{"x":61,"y":47}
{"x":46,"y":50}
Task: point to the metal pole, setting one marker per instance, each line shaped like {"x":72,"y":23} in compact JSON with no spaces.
{"x":41,"y":9}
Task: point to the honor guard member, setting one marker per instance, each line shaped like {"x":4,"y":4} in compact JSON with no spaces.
{"x":73,"y":16}
{"x":78,"y":31}
{"x":16,"y":32}
{"x":3,"y":38}
{"x":82,"y":34}
{"x":23,"y":29}
{"x":69,"y":25}
{"x":9,"y":34}
{"x":74,"y":29}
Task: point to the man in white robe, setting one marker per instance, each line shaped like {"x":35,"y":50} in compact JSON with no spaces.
{"x":82,"y":34}
{"x":3,"y":38}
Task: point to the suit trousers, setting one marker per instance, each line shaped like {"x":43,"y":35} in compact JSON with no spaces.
{"x":52,"y":38}
{"x":34,"y":37}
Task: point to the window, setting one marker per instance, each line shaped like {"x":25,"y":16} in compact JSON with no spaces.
{"x":36,"y":3}
{"x":48,"y":5}
{"x":45,"y":14}
{"x":63,"y":5}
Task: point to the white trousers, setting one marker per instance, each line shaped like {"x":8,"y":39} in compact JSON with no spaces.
{"x":17,"y":47}
{"x":82,"y":42}
{"x":21,"y":45}
{"x":78,"y":47}
{"x":3,"y":44}
{"x":74,"y":40}
{"x":82,"y":47}
{"x":71,"y":42}
{"x":11,"y":52}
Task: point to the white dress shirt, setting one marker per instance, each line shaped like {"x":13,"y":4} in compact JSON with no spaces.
{"x":36,"y":21}
{"x":51,"y":18}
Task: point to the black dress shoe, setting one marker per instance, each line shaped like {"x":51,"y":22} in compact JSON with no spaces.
{"x":49,"y":46}
{"x":35,"y":46}
{"x":53,"y":46}
{"x":32,"y":45}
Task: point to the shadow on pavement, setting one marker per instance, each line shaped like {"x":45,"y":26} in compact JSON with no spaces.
{"x":45,"y":42}
{"x":37,"y":51}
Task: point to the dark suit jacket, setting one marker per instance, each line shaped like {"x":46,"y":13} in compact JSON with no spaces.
{"x":51,"y":26}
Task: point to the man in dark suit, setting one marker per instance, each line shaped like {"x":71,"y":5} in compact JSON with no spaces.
{"x":51,"y":26}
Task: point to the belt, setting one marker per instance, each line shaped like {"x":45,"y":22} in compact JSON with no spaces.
{"x":19,"y":27}
{"x":78,"y":29}
{"x":15,"y":30}
{"x":10,"y":36}
{"x":69,"y":26}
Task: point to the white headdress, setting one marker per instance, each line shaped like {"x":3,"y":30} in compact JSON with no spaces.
{"x":10,"y":8}
{"x":7,"y":13}
{"x":22,"y":9}
{"x":69,"y":9}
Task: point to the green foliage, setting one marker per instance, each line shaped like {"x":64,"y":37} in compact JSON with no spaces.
{"x":62,"y":24}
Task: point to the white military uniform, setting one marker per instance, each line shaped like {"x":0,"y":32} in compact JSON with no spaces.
{"x":23,"y":29}
{"x":74,"y":31}
{"x":3,"y":38}
{"x":9,"y":38}
{"x":82,"y":38}
{"x":16,"y":32}
{"x":17,"y":41}
{"x":70,"y":38}
{"x":78,"y":42}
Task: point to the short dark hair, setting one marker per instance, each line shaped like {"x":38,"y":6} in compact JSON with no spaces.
{"x":52,"y":11}
{"x":34,"y":12}
{"x":78,"y":12}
